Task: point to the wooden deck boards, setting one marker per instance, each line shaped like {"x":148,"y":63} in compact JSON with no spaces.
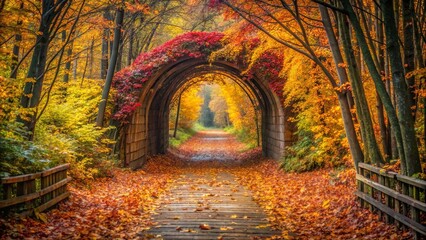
{"x":216,"y":200}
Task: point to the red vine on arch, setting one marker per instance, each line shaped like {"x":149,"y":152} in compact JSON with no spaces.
{"x":130,"y":80}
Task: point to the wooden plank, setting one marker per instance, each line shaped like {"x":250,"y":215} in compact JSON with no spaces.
{"x":192,"y":202}
{"x":20,"y":178}
{"x":377,"y":170}
{"x":399,"y":217}
{"x":52,"y":202}
{"x":21,"y":199}
{"x":26,"y":177}
{"x":403,"y":198}
{"x":412,"y":181}
{"x":409,"y":180}
{"x":56,"y":169}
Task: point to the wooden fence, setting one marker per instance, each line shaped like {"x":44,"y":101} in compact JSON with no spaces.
{"x":26,"y":194}
{"x":396,"y":198}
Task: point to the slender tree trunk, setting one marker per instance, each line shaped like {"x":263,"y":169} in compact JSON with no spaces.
{"x":420,"y":64}
{"x":355,"y":148}
{"x":150,"y":37}
{"x":177,"y":116}
{"x":85,"y":68}
{"x":391,"y":92}
{"x":91,"y":58}
{"x":381,"y":64}
{"x":361,"y":105}
{"x":2,"y":4}
{"x":131,"y":40}
{"x":68,"y":59}
{"x":15,"y":55}
{"x":401,"y":90}
{"x":75,"y":67}
{"x":256,"y":120}
{"x":16,"y":47}
{"x":111,"y":69}
{"x":407,"y":22}
{"x":119,"y":58}
{"x":105,"y":40}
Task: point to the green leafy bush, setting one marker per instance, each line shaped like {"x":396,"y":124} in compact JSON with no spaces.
{"x":182,"y":135}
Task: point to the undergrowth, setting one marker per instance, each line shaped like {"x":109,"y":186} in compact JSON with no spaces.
{"x":65,"y":133}
{"x":182,"y":135}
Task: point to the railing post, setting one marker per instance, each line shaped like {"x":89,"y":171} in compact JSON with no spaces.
{"x":361,"y":185}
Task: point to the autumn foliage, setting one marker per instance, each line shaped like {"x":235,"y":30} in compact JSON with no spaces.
{"x":130,"y":80}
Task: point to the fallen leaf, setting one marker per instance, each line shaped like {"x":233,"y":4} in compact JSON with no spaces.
{"x":205,"y":227}
{"x":226,"y":228}
{"x":326,"y":204}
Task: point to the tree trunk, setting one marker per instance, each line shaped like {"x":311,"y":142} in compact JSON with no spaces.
{"x":2,"y":4}
{"x":119,"y":58}
{"x":354,"y":146}
{"x":380,"y":87}
{"x":150,"y":37}
{"x":131,"y":40}
{"x":74,"y":70}
{"x":392,"y":138}
{"x":68,"y":61}
{"x":361,"y":104}
{"x":177,"y":116}
{"x":401,"y":90}
{"x":91,"y":58}
{"x":381,"y":64}
{"x":105,"y":40}
{"x":407,"y":23}
{"x":113,"y":60}
{"x":32,"y":89}
{"x":420,"y":64}
{"x":16,"y":47}
{"x":85,"y":68}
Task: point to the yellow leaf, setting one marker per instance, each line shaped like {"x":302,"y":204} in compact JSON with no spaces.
{"x":226,"y":228}
{"x":41,"y":216}
{"x":263,"y":226}
{"x":326,"y":204}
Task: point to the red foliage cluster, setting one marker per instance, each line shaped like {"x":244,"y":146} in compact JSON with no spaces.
{"x":268,"y":67}
{"x":129,"y":81}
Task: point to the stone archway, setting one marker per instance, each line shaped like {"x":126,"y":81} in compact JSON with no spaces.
{"x":147,"y":132}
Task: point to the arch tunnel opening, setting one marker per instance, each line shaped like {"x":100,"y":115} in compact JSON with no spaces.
{"x":210,"y":103}
{"x":148,"y":132}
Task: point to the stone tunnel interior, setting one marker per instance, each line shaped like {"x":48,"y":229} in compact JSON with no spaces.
{"x":148,"y":132}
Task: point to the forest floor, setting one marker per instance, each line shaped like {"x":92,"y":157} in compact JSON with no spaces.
{"x":128,"y":204}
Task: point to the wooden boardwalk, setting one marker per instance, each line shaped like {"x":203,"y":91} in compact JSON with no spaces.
{"x":209,"y":206}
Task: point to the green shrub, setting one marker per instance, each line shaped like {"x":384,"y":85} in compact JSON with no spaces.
{"x":182,"y":135}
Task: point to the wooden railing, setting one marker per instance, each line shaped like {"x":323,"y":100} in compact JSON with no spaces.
{"x":26,"y":194}
{"x":396,"y":198}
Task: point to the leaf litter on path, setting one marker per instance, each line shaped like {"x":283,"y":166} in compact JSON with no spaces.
{"x":301,"y":206}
